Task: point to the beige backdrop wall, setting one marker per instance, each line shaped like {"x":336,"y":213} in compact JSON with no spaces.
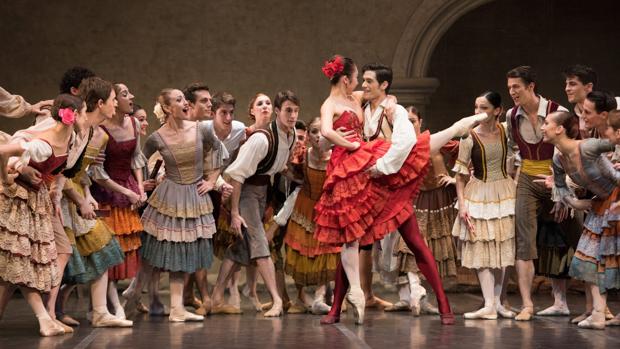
{"x":240,"y":46}
{"x":269,"y":45}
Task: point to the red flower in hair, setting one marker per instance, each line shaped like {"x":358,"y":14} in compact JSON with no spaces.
{"x":67,"y":116}
{"x":333,"y":67}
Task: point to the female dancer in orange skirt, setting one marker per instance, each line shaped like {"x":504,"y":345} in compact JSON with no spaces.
{"x":308,"y":261}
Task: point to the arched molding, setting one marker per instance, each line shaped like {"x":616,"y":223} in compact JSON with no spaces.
{"x":411,"y":62}
{"x":424,"y":30}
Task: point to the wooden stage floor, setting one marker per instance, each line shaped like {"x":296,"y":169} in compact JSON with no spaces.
{"x":18,"y":330}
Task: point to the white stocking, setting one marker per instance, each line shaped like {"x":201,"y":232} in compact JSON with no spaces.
{"x":351,"y":263}
{"x":499,"y":275}
{"x":487,"y":284}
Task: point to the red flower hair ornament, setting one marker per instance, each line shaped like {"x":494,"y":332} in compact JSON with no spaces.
{"x":333,"y":67}
{"x":67,"y":116}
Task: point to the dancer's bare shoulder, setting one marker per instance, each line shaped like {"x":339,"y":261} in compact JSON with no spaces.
{"x":337,"y":106}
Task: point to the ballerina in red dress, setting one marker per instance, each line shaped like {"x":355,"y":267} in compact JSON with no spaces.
{"x":359,"y":205}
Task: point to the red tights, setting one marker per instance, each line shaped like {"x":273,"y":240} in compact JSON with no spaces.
{"x":423,"y":257}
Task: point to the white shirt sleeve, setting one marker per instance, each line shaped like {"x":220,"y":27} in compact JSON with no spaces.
{"x":403,"y":140}
{"x":250,"y":154}
{"x":13,"y":106}
{"x":138,"y":160}
{"x":36,"y":150}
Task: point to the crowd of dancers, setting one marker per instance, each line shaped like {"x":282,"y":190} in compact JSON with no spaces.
{"x":90,"y":198}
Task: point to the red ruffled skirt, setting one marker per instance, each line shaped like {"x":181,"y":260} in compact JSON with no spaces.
{"x":354,"y":206}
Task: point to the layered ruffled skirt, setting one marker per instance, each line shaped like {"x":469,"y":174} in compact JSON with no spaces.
{"x":556,"y":244}
{"x":95,"y":250}
{"x":126,"y":225}
{"x":491,"y":207}
{"x":127,"y":228}
{"x":27,"y":246}
{"x":179,"y":226}
{"x":435,"y":212}
{"x":308,"y":261}
{"x":354,"y":206}
{"x":597,"y":258}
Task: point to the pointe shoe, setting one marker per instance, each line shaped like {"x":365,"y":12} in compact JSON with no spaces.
{"x":49,"y":328}
{"x":505,"y":313}
{"x":356,"y":298}
{"x":68,"y":320}
{"x":398,"y":306}
{"x":67,"y":329}
{"x":466,"y":124}
{"x":594,"y":324}
{"x":120,"y":313}
{"x":554,"y":311}
{"x":416,"y":309}
{"x":486,"y":313}
{"x":192,"y":302}
{"x":205,"y":308}
{"x":613,"y":322}
{"x":258,"y":306}
{"x":183,"y":316}
{"x":580,"y":318}
{"x":265,"y":306}
{"x":319,"y":308}
{"x":377,"y":303}
{"x":608,"y":314}
{"x":330,"y":319}
{"x":427,"y":308}
{"x":225,"y":309}
{"x":297,"y":308}
{"x":526,"y":314}
{"x":109,"y":320}
{"x":275,"y":311}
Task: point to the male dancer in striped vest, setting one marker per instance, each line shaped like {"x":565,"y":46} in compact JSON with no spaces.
{"x":533,"y":158}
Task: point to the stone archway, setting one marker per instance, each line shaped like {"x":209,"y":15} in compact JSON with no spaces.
{"x":415,"y":48}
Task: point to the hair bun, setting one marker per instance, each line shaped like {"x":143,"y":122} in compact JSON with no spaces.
{"x":159,"y":113}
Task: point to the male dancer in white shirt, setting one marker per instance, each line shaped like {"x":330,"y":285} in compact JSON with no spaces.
{"x":399,"y":131}
{"x":264,"y":154}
